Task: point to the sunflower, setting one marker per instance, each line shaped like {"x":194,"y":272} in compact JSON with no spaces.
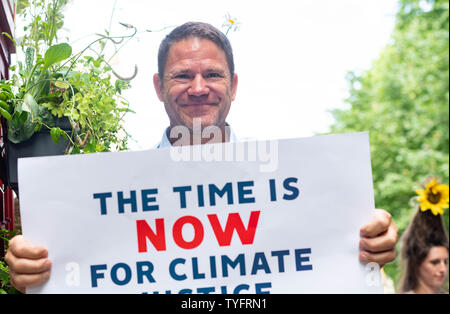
{"x":434,"y":197}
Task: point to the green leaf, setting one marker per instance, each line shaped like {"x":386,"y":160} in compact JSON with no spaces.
{"x":20,"y":130}
{"x":61,"y":84}
{"x":23,"y":117}
{"x":4,"y":105}
{"x":29,"y":58}
{"x":6,"y":87}
{"x":57,"y":53}
{"x":23,"y":124}
{"x":10,"y":37}
{"x":55,"y":133}
{"x":4,"y":95}
{"x":46,"y":116}
{"x":5,"y":114}
{"x":65,"y":136}
{"x":126,"y":110}
{"x":30,"y":105}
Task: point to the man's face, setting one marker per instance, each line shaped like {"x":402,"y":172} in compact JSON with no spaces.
{"x":196,"y":84}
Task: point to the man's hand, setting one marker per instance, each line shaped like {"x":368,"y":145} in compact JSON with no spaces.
{"x":28,"y":264}
{"x":378,"y":239}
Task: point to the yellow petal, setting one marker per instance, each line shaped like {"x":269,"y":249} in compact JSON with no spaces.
{"x":421,"y":194}
{"x":431,"y":185}
{"x":434,"y":211}
{"x":443,"y":189}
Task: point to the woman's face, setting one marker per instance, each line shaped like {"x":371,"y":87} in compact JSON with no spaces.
{"x":434,"y":268}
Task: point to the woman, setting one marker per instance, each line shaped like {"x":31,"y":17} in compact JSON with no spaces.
{"x":425,"y":244}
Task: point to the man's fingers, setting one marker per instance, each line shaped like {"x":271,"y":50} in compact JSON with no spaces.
{"x":21,"y":248}
{"x":382,"y":243}
{"x":380,"y":258}
{"x":378,"y":225}
{"x":19,"y":281}
{"x":27,"y":266}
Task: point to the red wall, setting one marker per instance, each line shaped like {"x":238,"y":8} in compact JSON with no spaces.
{"x":7,"y":26}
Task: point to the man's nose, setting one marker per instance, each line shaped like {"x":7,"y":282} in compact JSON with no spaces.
{"x":198,"y":86}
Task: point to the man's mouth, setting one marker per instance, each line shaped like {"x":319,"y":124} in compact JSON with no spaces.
{"x":198,"y":105}
{"x":198,"y":109}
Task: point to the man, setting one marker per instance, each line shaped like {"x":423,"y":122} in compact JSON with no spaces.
{"x":196,"y":82}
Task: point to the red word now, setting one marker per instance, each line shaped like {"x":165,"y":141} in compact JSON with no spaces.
{"x":223,"y":236}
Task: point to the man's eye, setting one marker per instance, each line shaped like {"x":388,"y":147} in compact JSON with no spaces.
{"x":213,"y":75}
{"x":182,"y":76}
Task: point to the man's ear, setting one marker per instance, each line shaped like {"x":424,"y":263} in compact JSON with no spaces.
{"x":234,"y":86}
{"x":157,"y":83}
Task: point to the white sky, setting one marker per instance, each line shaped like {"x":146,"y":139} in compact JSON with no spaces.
{"x":291,"y":57}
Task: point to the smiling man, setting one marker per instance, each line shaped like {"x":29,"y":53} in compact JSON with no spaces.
{"x":196,"y":82}
{"x":196,"y":79}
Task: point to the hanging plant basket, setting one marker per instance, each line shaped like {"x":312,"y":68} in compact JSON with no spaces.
{"x":39,"y":145}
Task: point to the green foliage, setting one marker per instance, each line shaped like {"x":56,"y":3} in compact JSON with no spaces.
{"x":44,"y":19}
{"x":5,"y":284}
{"x":53,"y":84}
{"x":56,"y":54}
{"x":403,"y":101}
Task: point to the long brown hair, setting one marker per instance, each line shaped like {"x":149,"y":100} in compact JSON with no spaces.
{"x":424,"y":232}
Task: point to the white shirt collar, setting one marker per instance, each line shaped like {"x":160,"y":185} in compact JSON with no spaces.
{"x":166,"y":143}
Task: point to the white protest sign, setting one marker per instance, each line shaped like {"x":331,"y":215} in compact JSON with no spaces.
{"x":143,"y":222}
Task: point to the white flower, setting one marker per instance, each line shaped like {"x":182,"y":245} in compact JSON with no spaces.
{"x":230,"y":24}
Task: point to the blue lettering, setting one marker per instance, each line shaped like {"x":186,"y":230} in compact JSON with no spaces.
{"x":147,"y":273}
{"x":146,"y":200}
{"x":95,"y":275}
{"x":182,"y":190}
{"x":293,"y":189}
{"x":299,"y":259}
{"x":102,"y":197}
{"x":196,"y":274}
{"x":114,"y":271}
{"x":172,"y":266}
{"x":240,"y":288}
{"x":123,"y":201}
{"x":228,"y":189}
{"x":227,"y":261}
{"x":263,"y":265}
{"x":280,"y":255}
{"x":260,"y":286}
{"x":242,"y":192}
